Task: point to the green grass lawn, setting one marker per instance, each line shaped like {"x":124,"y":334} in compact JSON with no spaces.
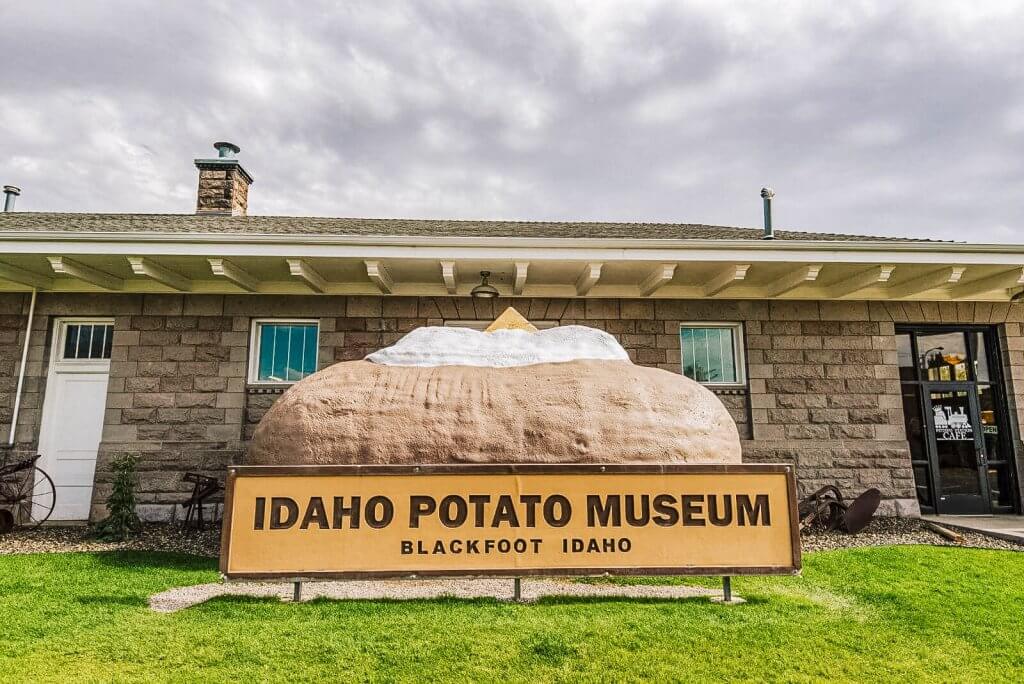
{"x":906,"y":613}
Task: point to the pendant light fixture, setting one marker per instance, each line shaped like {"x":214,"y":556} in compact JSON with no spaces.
{"x":484,"y":290}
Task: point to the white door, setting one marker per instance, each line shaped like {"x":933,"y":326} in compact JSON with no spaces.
{"x":72,"y":422}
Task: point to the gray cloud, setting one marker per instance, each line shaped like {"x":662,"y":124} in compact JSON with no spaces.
{"x":878,"y":118}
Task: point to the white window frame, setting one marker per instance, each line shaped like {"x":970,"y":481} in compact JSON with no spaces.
{"x":254,"y":348}
{"x":738,"y":345}
{"x":60,"y":333}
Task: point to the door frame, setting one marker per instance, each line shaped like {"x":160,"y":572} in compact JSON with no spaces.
{"x":57,"y":365}
{"x":997,"y":380}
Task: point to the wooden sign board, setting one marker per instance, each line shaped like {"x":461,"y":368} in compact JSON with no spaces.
{"x":506,"y":521}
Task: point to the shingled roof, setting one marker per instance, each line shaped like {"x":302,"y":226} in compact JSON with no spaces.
{"x":301,"y":225}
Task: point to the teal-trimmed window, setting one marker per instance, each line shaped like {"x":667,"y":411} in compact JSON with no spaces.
{"x":283,"y":351}
{"x":712,"y":353}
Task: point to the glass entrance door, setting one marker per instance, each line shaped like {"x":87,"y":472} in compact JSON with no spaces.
{"x":956,"y":416}
{"x":955,"y":431}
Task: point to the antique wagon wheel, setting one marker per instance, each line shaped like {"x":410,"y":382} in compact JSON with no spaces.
{"x":30,"y":495}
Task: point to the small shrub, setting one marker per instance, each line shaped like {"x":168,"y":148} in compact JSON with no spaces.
{"x":122,"y":522}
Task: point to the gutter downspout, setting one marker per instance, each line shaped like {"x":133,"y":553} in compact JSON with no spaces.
{"x":21,"y":371}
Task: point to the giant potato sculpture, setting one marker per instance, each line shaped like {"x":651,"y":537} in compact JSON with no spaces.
{"x":509,"y":395}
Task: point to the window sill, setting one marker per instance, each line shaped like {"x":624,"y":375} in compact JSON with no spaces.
{"x":267,"y":388}
{"x":728,"y":390}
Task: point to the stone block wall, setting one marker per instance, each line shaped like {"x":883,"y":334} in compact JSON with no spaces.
{"x":176,"y":396}
{"x":827,"y":398}
{"x":365,"y":324}
{"x":823,"y":390}
{"x":13,"y":316}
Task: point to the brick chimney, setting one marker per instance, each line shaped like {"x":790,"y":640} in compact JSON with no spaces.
{"x":223,"y":183}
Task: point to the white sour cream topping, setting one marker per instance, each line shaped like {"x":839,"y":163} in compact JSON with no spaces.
{"x":437,"y":346}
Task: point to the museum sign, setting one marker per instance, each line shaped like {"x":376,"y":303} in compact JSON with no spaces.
{"x":497,"y":520}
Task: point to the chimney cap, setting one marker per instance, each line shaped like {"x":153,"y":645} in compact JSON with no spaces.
{"x":226,"y":150}
{"x":767,"y":193}
{"x":225,"y":159}
{"x":12,"y":190}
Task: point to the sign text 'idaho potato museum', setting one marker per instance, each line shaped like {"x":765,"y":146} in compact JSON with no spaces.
{"x":378,"y":521}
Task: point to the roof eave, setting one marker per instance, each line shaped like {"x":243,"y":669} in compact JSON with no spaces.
{"x":469,"y":241}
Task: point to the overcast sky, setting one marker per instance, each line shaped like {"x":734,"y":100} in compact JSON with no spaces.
{"x":889,"y":118}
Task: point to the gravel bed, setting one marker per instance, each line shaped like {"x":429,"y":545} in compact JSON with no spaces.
{"x":169,"y":537}
{"x":890,"y":531}
{"x":154,"y":537}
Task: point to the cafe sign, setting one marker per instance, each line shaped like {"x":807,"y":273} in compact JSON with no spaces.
{"x":497,"y":520}
{"x":952,"y":424}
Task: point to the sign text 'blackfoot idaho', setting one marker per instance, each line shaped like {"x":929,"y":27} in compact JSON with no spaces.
{"x":348,"y":521}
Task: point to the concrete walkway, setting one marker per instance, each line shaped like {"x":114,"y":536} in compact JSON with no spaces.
{"x":1009,"y":527}
{"x":532,"y":589}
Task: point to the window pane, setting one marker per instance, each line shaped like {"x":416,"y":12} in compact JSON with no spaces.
{"x":71,"y":342}
{"x":279,"y":365}
{"x":266,"y":366}
{"x":296,"y":347}
{"x":88,"y":341}
{"x":999,"y":485}
{"x":996,"y":448}
{"x":980,"y":357}
{"x":84,"y":340}
{"x":709,"y":354}
{"x":728,"y":355}
{"x":914,"y":422}
{"x":309,"y":357}
{"x":287,"y":351}
{"x":905,"y":357}
{"x":988,"y":406}
{"x":99,"y":338}
{"x":686,"y":351}
{"x":943,"y":356}
{"x":108,"y":342}
{"x":713,"y":353}
{"x":924,"y":490}
{"x":691,"y":368}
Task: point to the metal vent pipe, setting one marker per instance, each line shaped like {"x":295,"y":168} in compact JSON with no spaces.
{"x":767,"y":194}
{"x":10,"y":194}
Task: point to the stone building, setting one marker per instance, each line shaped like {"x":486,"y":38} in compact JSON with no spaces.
{"x":863,"y":361}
